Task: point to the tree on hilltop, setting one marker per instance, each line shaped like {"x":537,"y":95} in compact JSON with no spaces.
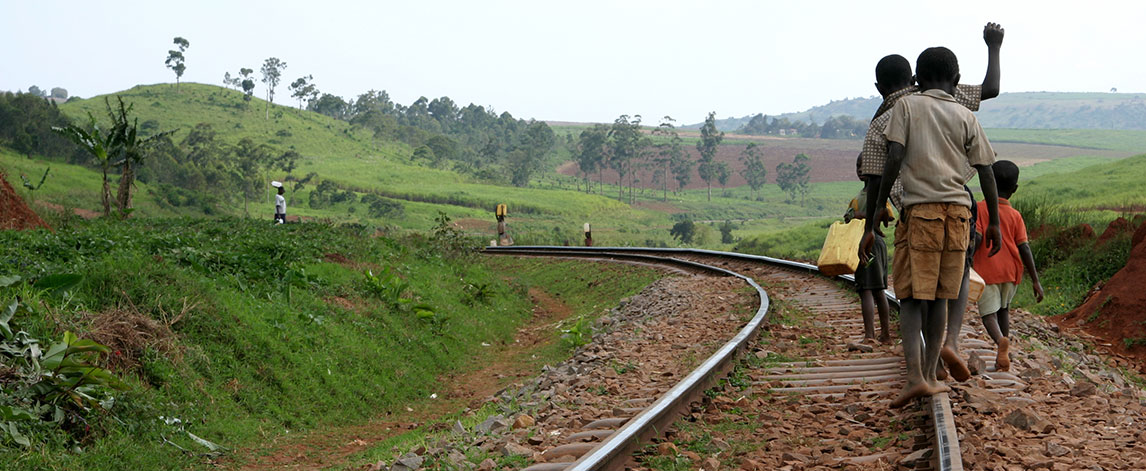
{"x":707,"y":146}
{"x":591,"y":152}
{"x":272,"y":73}
{"x":304,"y":89}
{"x":247,"y":83}
{"x":176,"y":61}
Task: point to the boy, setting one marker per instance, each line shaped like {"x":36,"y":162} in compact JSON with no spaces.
{"x":894,"y":81}
{"x":1003,"y":273}
{"x":871,"y":278}
{"x":932,"y":138}
{"x":280,"y":204}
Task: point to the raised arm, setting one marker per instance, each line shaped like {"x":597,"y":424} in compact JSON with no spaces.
{"x":993,"y":36}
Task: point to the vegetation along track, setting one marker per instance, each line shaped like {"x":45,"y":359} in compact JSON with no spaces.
{"x":842,"y":377}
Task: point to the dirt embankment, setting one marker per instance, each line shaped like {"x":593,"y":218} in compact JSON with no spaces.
{"x":14,"y":213}
{"x":1115,"y":312}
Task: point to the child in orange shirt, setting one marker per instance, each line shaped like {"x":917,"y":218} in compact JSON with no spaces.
{"x":1003,"y":272}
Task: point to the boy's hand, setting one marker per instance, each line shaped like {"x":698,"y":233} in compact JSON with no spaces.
{"x":993,"y":35}
{"x":1038,"y":292}
{"x":994,"y":239}
{"x":865,"y":247}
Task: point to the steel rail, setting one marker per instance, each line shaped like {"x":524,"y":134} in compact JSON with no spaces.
{"x":610,"y":453}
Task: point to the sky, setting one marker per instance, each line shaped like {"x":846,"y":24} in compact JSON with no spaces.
{"x":586,"y":60}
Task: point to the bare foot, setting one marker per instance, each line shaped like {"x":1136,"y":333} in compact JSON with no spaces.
{"x":1003,"y":358}
{"x":958,"y":368}
{"x":911,"y":392}
{"x":940,"y":373}
{"x":939,"y":387}
{"x":885,"y":339}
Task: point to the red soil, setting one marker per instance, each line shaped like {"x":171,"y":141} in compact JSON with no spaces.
{"x":14,"y":213}
{"x":1117,"y":226}
{"x":1117,"y":311}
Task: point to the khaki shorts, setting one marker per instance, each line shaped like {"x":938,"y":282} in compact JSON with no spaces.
{"x":930,"y":251}
{"x":996,"y":297}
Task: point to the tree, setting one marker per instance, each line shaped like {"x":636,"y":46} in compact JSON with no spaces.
{"x":526,"y":159}
{"x":175,"y":60}
{"x":272,"y":72}
{"x":303,"y":90}
{"x":683,"y":231}
{"x":722,"y":175}
{"x":130,"y":149}
{"x":726,"y":228}
{"x":754,"y":172}
{"x":36,"y":91}
{"x":591,"y":151}
{"x":669,"y":153}
{"x":330,"y":105}
{"x":60,"y":93}
{"x":248,"y":84}
{"x":707,"y":146}
{"x":793,"y":177}
{"x":97,"y":143}
{"x":624,"y":147}
{"x":229,"y":81}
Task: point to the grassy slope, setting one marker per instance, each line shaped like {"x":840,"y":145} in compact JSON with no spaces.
{"x":258,"y":355}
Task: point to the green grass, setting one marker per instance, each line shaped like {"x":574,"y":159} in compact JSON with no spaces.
{"x":1121,"y":140}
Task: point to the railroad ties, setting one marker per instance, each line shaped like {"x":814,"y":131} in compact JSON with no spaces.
{"x":843,"y":374}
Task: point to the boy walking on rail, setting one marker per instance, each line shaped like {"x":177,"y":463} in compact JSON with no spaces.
{"x":894,"y":81}
{"x":1004,"y":272}
{"x":932,"y":141}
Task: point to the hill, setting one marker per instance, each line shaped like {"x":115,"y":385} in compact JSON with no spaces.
{"x":1024,"y":110}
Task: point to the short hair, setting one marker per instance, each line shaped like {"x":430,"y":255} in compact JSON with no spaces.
{"x":1006,"y":176}
{"x":893,"y":70}
{"x":937,"y":64}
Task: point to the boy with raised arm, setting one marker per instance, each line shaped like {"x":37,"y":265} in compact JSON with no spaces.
{"x":894,"y":81}
{"x":932,"y":139}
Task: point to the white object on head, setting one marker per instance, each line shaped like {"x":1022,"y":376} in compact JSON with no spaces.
{"x":276,"y":184}
{"x":586,"y":227}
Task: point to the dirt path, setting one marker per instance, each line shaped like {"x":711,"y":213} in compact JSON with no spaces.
{"x":332,"y":445}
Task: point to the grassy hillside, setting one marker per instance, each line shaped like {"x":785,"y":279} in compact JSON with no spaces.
{"x":252,"y":331}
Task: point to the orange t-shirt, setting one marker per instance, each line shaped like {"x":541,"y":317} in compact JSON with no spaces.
{"x":1006,"y":266}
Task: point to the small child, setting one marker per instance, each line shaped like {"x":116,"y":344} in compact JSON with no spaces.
{"x":871,"y":278}
{"x":933,"y":139}
{"x":1003,"y":273}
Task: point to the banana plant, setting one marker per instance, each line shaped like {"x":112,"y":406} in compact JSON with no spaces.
{"x":97,"y":143}
{"x":128,"y":150}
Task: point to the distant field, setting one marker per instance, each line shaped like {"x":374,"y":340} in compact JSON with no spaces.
{"x":1131,"y":141}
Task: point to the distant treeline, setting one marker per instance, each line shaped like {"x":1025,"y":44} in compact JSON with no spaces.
{"x":497,"y":148}
{"x":836,"y":127}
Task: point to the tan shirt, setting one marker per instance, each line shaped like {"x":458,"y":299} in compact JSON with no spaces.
{"x":942,"y":138}
{"x":874,"y":152}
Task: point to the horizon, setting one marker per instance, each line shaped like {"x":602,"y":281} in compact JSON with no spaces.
{"x":516,"y":57}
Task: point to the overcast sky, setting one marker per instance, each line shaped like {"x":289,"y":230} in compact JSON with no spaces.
{"x":571,"y":60}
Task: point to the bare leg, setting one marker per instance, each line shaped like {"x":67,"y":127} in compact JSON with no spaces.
{"x":936,"y":315}
{"x":1005,"y":322}
{"x":910,"y":325}
{"x":956,"y":308}
{"x":1003,"y":356}
{"x":884,"y":319}
{"x":867,"y":304}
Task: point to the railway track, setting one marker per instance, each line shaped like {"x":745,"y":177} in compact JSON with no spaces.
{"x":834,"y":379}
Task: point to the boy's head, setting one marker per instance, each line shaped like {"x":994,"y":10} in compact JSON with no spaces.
{"x":937,"y":67}
{"x":892,"y":74}
{"x":282,"y":190}
{"x":1006,"y":177}
{"x":859,"y":164}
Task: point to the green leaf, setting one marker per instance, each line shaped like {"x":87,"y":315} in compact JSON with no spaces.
{"x":9,"y":413}
{"x":5,"y":316}
{"x":6,"y":281}
{"x":58,"y":282}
